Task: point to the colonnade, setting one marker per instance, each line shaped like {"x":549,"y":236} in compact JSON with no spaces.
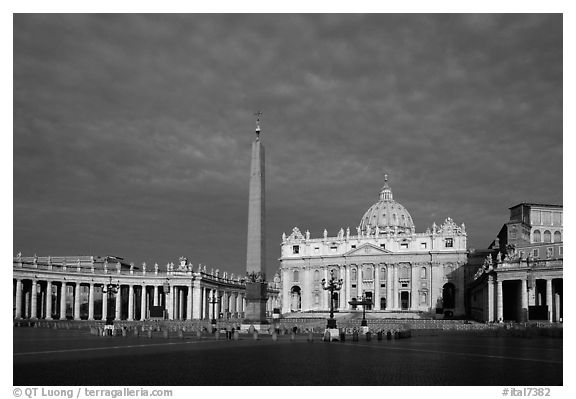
{"x":49,"y":299}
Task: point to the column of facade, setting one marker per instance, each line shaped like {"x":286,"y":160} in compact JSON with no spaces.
{"x":524,"y":293}
{"x":359,"y":281}
{"x":180,"y":303}
{"x":499,"y":301}
{"x":490,"y":298}
{"x":63,"y":301}
{"x":549,"y":300}
{"x":104,"y":303}
{"x":91,"y":302}
{"x":169,"y":301}
{"x":395,"y":294}
{"x":27,"y":305}
{"x":143,"y":304}
{"x":34,"y":300}
{"x":189,"y":298}
{"x":118,"y":309}
{"x":155,"y":295}
{"x":197,"y":301}
{"x":131,"y":302}
{"x":42,"y":304}
{"x":218,"y":303}
{"x":18,"y":314}
{"x":376,"y":287}
{"x":389,"y":294}
{"x":48,"y":300}
{"x":77,"y":301}
{"x":239,"y":303}
{"x":207,"y":305}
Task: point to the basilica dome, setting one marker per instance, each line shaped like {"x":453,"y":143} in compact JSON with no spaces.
{"x":386,"y":215}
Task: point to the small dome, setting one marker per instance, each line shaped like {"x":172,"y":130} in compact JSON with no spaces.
{"x":387,"y":215}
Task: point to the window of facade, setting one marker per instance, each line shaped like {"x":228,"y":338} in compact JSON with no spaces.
{"x":556,"y":220}
{"x":333,"y":248}
{"x":383,"y":272}
{"x":557,"y":236}
{"x":423,"y":298}
{"x":316,"y":299}
{"x":316,"y":275}
{"x":335,"y":273}
{"x":353,"y":275}
{"x":513,"y":232}
{"x":546,"y":218}
{"x":537,"y":237}
{"x":383,"y":285}
{"x":403,"y":220}
{"x":535,"y":253}
{"x":295,"y":275}
{"x":404,"y":245}
{"x":560,"y":250}
{"x":404,"y":272}
{"x":449,"y":243}
{"x":423,"y":272}
{"x":535,"y":217}
{"x":295,"y":249}
{"x":353,"y":246}
{"x":547,"y":236}
{"x":367,"y":273}
{"x":394,"y":218}
{"x":423,"y":245}
{"x":383,"y":246}
{"x":549,"y":252}
{"x":316,"y":249}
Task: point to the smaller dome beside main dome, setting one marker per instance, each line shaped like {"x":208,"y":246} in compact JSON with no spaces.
{"x":386,"y":215}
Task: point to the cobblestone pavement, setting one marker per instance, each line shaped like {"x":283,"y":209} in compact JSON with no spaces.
{"x":62,"y":357}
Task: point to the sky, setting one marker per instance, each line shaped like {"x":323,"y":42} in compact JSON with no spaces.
{"x":132,"y":133}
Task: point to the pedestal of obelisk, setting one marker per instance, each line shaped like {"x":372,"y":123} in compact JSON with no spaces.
{"x":256,"y":286}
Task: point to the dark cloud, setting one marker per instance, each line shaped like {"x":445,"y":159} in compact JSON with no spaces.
{"x":132,"y":132}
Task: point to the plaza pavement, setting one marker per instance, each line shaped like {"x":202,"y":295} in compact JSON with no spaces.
{"x":74,"y":357}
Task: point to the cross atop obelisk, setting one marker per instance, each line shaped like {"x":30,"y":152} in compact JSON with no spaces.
{"x":258,"y":114}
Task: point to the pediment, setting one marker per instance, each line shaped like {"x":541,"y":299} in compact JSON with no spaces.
{"x":367,"y":249}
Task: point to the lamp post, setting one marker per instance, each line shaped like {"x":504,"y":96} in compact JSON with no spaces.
{"x":213,"y":301}
{"x":364,"y":302}
{"x":111,"y":290}
{"x":331,"y":285}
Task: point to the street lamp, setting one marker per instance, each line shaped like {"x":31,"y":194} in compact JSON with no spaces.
{"x":213,"y":301}
{"x":332,"y":285}
{"x":364,"y":302}
{"x":111,"y":290}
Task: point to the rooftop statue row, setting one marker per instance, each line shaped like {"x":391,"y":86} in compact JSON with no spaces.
{"x":447,"y":228}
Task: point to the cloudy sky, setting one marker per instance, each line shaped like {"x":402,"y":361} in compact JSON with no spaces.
{"x":132,"y":133}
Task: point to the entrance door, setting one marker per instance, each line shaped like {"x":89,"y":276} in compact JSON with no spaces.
{"x":405,"y":300}
{"x":369,"y":297}
{"x":382,"y":303}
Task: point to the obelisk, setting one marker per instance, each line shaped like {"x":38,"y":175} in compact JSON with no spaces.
{"x":256,"y":286}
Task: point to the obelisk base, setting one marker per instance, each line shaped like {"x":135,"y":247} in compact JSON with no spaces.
{"x":255,"y":312}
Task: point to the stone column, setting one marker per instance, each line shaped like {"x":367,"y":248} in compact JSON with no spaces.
{"x":376,"y":287}
{"x":197,"y":301}
{"x":34,"y":300}
{"x":389,"y":294}
{"x":239,"y":303}
{"x":42,"y":304}
{"x":169,"y":298}
{"x":27,"y":305}
{"x":143,"y":307}
{"x":77,"y":301}
{"x":180,"y":303}
{"x":359,"y":280}
{"x":63,"y":301}
{"x":155,"y":295}
{"x":345,"y":287}
{"x":18,"y":314}
{"x":104,"y":303}
{"x":189,"y":299}
{"x":131,"y":302}
{"x":48,"y":300}
{"x":499,"y":301}
{"x":490,"y":298}
{"x":524,"y":293}
{"x":91,"y":302}
{"x":118,"y":315}
{"x":218,"y":303}
{"x":396,"y":294}
{"x":549,"y":300}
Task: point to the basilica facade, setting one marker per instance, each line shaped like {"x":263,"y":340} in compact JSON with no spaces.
{"x":384,"y":260}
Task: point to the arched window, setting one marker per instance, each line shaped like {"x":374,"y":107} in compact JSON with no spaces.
{"x":537,"y":237}
{"x":394,"y":218}
{"x":423,"y":272}
{"x":547,"y":236}
{"x":316,"y":299}
{"x":335,"y":273}
{"x":316,"y":275}
{"x":353,"y":275}
{"x":557,"y":236}
{"x":423,"y":297}
{"x":383,"y":273}
{"x":368,"y":273}
{"x":404,"y":272}
{"x":403,"y":220}
{"x":295,"y":275}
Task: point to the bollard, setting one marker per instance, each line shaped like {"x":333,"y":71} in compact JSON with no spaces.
{"x":292,"y":336}
{"x":198,"y":334}
{"x":217,"y":335}
{"x":255,"y":335}
{"x":136,"y":333}
{"x":165,"y":334}
{"x":368,"y":336}
{"x":236,"y":335}
{"x":124,"y":332}
{"x":310,"y":337}
{"x":274,"y":336}
{"x":149,"y":333}
{"x":180,"y":334}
